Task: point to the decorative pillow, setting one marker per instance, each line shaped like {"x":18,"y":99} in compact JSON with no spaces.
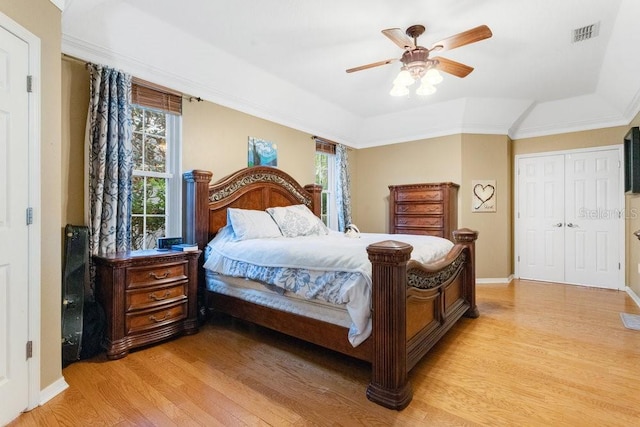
{"x":297,"y":220}
{"x":251,"y":224}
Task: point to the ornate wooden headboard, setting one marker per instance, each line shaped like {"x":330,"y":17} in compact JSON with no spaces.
{"x":258,"y":187}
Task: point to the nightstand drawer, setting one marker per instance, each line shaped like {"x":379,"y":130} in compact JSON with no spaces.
{"x":419,"y":221}
{"x":144,"y":320}
{"x":156,"y":274}
{"x":157,"y":295}
{"x":420,"y":209}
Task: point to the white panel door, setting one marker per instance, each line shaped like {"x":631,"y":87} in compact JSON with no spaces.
{"x":541,"y":218}
{"x":569,"y":218}
{"x":593,"y":217}
{"x":14,"y":234}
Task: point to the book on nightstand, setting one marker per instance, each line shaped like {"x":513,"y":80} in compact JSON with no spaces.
{"x":185,"y":247}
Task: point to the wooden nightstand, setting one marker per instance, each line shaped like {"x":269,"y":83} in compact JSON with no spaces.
{"x":147,"y":296}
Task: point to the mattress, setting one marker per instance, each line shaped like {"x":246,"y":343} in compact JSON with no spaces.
{"x":257,"y":293}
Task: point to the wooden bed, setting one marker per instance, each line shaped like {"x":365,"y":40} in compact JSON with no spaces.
{"x":413,"y":305}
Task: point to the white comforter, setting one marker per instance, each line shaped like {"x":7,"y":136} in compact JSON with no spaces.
{"x":333,"y":267}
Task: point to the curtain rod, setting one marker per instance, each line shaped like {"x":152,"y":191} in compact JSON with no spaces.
{"x":74,"y":59}
{"x":189,"y":98}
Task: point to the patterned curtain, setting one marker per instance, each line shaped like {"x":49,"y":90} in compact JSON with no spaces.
{"x":343,"y":190}
{"x":110,"y":160}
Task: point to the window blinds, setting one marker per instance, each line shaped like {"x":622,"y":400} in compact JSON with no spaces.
{"x":147,"y":94}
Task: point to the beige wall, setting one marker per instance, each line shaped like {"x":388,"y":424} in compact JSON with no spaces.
{"x":632,"y":216}
{"x":43,"y":19}
{"x":488,"y":157}
{"x":215,"y":139}
{"x":429,"y":160}
{"x":456,"y":158}
{"x":570,"y":141}
{"x":75,"y":102}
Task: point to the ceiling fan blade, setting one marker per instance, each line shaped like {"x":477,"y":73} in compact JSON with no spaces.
{"x":470,"y":36}
{"x":452,"y":67}
{"x":374,"y":64}
{"x":398,"y":36}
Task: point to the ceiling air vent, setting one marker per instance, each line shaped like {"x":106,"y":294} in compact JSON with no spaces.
{"x":585,"y":33}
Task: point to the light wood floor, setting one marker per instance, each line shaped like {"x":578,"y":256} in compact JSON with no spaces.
{"x":539,"y":354}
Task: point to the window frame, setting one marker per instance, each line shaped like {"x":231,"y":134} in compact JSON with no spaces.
{"x":330,"y":193}
{"x":173,"y":175}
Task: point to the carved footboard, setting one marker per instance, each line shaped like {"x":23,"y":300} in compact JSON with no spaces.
{"x":413,"y":306}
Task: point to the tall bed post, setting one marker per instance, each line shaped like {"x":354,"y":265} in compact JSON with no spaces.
{"x":195,"y":228}
{"x":196,"y":196}
{"x":468,"y":238}
{"x":389,"y":384}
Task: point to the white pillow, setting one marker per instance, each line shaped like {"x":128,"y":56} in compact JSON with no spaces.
{"x":297,"y":220}
{"x":251,"y":224}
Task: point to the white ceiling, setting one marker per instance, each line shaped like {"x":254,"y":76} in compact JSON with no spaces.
{"x":285,"y":61}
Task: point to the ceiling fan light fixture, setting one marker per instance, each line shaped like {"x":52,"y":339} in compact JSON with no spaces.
{"x":399,"y":90}
{"x":404,"y":78}
{"x":425,"y":89}
{"x":432,"y":76}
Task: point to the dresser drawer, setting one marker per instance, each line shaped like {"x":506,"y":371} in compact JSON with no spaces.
{"x":420,"y":209}
{"x":438,"y":232}
{"x":140,"y":321}
{"x":152,"y":275}
{"x":419,"y":221}
{"x":419,"y":195}
{"x":139,"y":299}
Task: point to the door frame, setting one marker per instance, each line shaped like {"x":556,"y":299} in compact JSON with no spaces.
{"x":621,"y":200}
{"x":34,"y":276}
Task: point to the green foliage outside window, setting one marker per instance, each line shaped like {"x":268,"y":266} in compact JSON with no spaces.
{"x":149,"y":191}
{"x":322,"y":178}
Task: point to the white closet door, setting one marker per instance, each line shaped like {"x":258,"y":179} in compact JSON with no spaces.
{"x":541,"y":218}
{"x":593,"y":217}
{"x":569,"y":220}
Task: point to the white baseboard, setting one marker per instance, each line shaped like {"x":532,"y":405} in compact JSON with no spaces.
{"x":53,"y":390}
{"x":499,"y":280}
{"x":633,"y":296}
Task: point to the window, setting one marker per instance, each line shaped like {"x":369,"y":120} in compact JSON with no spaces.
{"x":325,"y":176}
{"x":156,"y":185}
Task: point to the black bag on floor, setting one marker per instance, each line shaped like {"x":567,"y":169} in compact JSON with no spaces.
{"x":94,"y":323}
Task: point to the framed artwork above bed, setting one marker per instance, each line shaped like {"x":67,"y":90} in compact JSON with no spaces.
{"x":262,"y":152}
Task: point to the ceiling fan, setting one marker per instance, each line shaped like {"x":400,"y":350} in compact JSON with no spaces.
{"x":417,"y":61}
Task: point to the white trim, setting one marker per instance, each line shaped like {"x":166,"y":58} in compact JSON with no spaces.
{"x":34,"y":202}
{"x":174,"y":203}
{"x":621,"y":201}
{"x":59,"y":4}
{"x":485,"y":281}
{"x":52,"y":390}
{"x":633,"y":295}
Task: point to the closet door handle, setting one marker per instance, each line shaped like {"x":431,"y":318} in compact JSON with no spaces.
{"x":558,"y":224}
{"x":570,"y":225}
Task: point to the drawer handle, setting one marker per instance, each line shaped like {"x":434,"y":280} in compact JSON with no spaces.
{"x":154,"y":297}
{"x":166,"y":315}
{"x":161,"y":276}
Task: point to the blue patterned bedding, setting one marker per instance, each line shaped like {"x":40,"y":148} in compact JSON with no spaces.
{"x":332,"y":267}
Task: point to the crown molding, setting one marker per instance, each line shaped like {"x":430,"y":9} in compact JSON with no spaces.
{"x":59,"y":4}
{"x":575,"y":126}
{"x":86,"y":51}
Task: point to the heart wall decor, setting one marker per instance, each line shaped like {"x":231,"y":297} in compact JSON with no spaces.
{"x":483,"y":195}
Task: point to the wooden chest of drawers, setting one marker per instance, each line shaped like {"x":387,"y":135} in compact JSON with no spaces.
{"x":430,"y":209}
{"x":147,"y":296}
